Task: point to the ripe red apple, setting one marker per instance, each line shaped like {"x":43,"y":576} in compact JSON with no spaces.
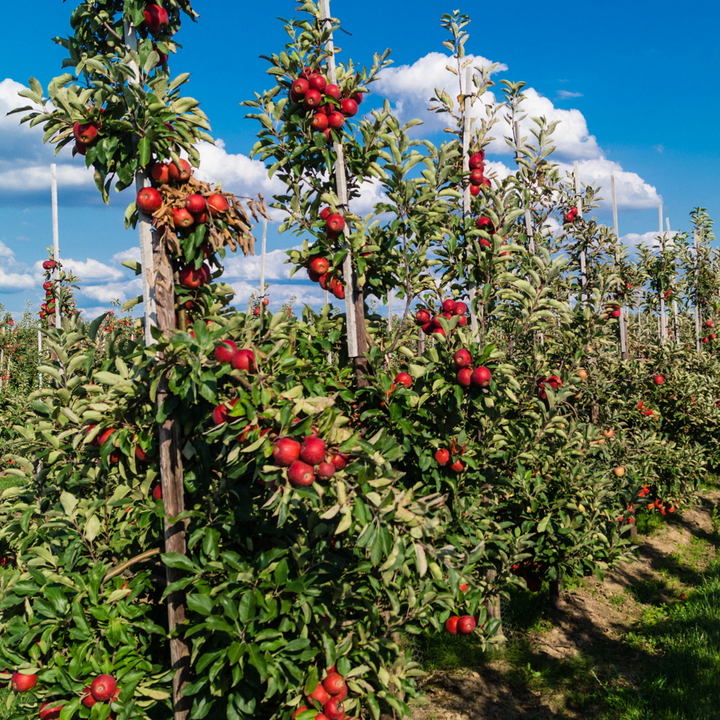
{"x":709,"y":323}
{"x":80,"y":149}
{"x":462,"y":358}
{"x":50,"y":710}
{"x":157,"y":492}
{"x":225,"y":350}
{"x":300,"y":474}
{"x":163,"y":58}
{"x":182,"y":173}
{"x":220,"y":414}
{"x":243,"y":360}
{"x":336,"y":120}
{"x":104,"y":436}
{"x":325,"y":470}
{"x":319,"y":122}
{"x":659,"y":379}
{"x":160,"y":173}
{"x":339,"y":461}
{"x":182,"y":218}
{"x":334,"y":709}
{"x":300,"y":87}
{"x":149,"y":200}
{"x":358,"y":97}
{"x":448,"y":305}
{"x":302,"y":708}
{"x":404,"y":379}
{"x":442,"y":457}
{"x":312,"y":451}
{"x":47,"y":286}
{"x":88,"y":700}
{"x":333,"y":91}
{"x":476,"y":176}
{"x":217,"y":204}
{"x":286,"y":451}
{"x":464,"y":377}
{"x":317,"y":82}
{"x":485,"y":223}
{"x":460,"y":308}
{"x":335,"y":223}
{"x":349,"y":107}
{"x":466,"y":624}
{"x":156,"y":18}
{"x":438,"y":331}
{"x":334,"y":683}
{"x":320,"y":694}
{"x":422,"y":317}
{"x":85,"y":133}
{"x":195,"y":204}
{"x":481,"y":377}
{"x":457,"y":466}
{"x":103,"y":688}
{"x":22,"y":683}
{"x":476,"y":160}
{"x":451,"y":624}
{"x":320,"y":265}
{"x":475,"y":190}
{"x":339,"y":291}
{"x":48,"y":265}
{"x":190,"y":277}
{"x":464,"y":587}
{"x":313,"y":99}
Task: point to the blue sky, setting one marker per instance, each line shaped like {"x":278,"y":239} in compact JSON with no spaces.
{"x":635,"y":83}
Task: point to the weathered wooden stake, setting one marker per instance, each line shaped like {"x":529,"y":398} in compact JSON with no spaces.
{"x":663,"y":316}
{"x":354,"y":296}
{"x":698,"y":320}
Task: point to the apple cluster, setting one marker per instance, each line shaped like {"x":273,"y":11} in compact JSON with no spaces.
{"x":329,"y":694}
{"x":612,"y":311}
{"x":103,"y":436}
{"x":544,"y":382}
{"x":325,"y":103}
{"x":103,"y":689}
{"x":450,"y":307}
{"x":443,"y":456}
{"x":570,"y":216}
{"x":466,"y":376}
{"x":306,"y":461}
{"x":319,"y":266}
{"x":477,"y":173}
{"x":461,"y":625}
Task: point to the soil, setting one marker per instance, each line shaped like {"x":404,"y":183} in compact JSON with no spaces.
{"x":585,"y":635}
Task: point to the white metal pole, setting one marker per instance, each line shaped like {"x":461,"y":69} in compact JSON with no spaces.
{"x":676,"y":329}
{"x":467,"y":129}
{"x":262,"y":260}
{"x":342,"y":193}
{"x":624,"y":349}
{"x":56,"y":242}
{"x":698,"y":325}
{"x":144,"y":223}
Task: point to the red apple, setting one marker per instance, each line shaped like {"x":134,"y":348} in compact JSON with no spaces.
{"x":182,"y":173}
{"x":85,"y":133}
{"x":160,"y":173}
{"x":320,"y":265}
{"x":243,"y":360}
{"x":334,"y":683}
{"x":300,"y":87}
{"x":442,"y":457}
{"x":286,"y":451}
{"x":325,"y":470}
{"x":300,"y":474}
{"x":50,"y":710}
{"x":149,"y":200}
{"x":195,"y":204}
{"x":349,"y":107}
{"x":319,"y":122}
{"x":460,"y":308}
{"x":182,"y":218}
{"x":22,"y":683}
{"x":225,"y":350}
{"x":464,"y":377}
{"x":476,"y":160}
{"x":104,"y":436}
{"x":708,"y":323}
{"x":333,"y":91}
{"x":462,"y":358}
{"x":47,"y":286}
{"x":457,"y":466}
{"x":336,"y":120}
{"x":217,"y":204}
{"x":156,"y":18}
{"x":157,"y":492}
{"x":659,"y":379}
{"x":339,"y":291}
{"x":103,"y":688}
{"x":475,"y":190}
{"x":320,"y":694}
{"x":448,"y":305}
{"x":317,"y":83}
{"x":313,"y":99}
{"x":335,"y":223}
{"x":358,"y":97}
{"x":481,"y":377}
{"x":334,"y":709}
{"x":302,"y":708}
{"x":80,"y":149}
{"x":404,"y":379}
{"x":451,"y":625}
{"x":485,"y":223}
{"x":220,"y":414}
{"x":476,"y":177}
{"x":190,"y":277}
{"x":466,"y":624}
{"x":312,"y":451}
{"x":339,"y":461}
{"x":422,"y":317}
{"x":88,"y":700}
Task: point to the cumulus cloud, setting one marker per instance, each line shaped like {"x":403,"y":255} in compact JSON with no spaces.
{"x":565,"y":94}
{"x":25,"y":160}
{"x":89,"y":269}
{"x":121,"y":291}
{"x":649,"y":239}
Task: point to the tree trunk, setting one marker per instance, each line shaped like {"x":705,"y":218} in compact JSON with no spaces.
{"x":361,"y":364}
{"x":173,"y":488}
{"x":554,"y":593}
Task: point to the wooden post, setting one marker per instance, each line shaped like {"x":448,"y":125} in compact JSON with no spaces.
{"x":467,"y":129}
{"x":56,"y":242}
{"x":579,"y":205}
{"x":262,"y":260}
{"x":698,"y":320}
{"x":624,"y":352}
{"x":663,"y":316}
{"x":159,"y":306}
{"x":354,"y":297}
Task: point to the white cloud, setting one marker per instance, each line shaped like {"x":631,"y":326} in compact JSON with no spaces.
{"x":132,"y":253}
{"x":565,"y":94}
{"x":649,"y":239}
{"x":89,"y":269}
{"x":248,"y":268}
{"x":16,"y":282}
{"x":112,"y":291}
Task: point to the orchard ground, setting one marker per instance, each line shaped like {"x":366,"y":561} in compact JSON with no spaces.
{"x":644,"y":643}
